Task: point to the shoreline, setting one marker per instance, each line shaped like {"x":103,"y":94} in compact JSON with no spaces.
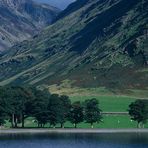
{"x":70,"y":131}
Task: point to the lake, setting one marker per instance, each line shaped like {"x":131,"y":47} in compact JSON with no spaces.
{"x":98,"y":140}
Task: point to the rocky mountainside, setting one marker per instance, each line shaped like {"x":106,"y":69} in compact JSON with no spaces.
{"x":20,"y":19}
{"x":100,"y":43}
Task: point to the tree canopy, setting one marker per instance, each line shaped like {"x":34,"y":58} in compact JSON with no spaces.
{"x":18,"y":103}
{"x":76,"y":114}
{"x":138,"y":111}
{"x":92,"y":111}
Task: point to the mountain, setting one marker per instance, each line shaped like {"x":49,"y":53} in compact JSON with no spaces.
{"x":20,"y":19}
{"x":97,"y":43}
{"x":72,"y":8}
{"x":62,"y":4}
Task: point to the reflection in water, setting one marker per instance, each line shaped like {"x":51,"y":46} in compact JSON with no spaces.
{"x":126,"y":140}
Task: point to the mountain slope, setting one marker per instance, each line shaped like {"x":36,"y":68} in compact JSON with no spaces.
{"x":103,"y":43}
{"x":62,"y":4}
{"x":20,"y":19}
{"x":72,"y":8}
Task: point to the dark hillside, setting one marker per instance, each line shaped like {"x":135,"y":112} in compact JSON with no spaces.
{"x":99,"y":43}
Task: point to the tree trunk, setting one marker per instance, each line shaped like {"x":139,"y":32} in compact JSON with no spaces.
{"x":92,"y":126}
{"x":75,"y":125}
{"x":43,"y":125}
{"x":62,"y":125}
{"x":139,"y":125}
{"x":15,"y":121}
{"x":23,"y":123}
{"x":12,"y":121}
{"x":50,"y":126}
{"x":143,"y":125}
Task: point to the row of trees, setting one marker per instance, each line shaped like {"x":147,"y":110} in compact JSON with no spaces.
{"x":19,"y":103}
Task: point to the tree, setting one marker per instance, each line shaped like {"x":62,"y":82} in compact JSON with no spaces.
{"x":58,"y":109}
{"x":64,"y":109}
{"x":2,"y":119}
{"x":2,"y":108}
{"x":17,"y":98}
{"x":92,"y":111}
{"x":27,"y":106}
{"x":18,"y":102}
{"x":2,"y":113}
{"x":138,"y":111}
{"x":76,"y":113}
{"x":6,"y":103}
{"x":39,"y":106}
{"x":41,"y":118}
{"x":54,"y":110}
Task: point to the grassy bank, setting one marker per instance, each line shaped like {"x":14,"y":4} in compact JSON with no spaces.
{"x":109,"y":121}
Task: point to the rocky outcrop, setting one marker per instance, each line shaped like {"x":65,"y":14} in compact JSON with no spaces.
{"x":20,"y":19}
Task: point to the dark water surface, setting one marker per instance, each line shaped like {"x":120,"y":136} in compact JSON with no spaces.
{"x":115,"y":140}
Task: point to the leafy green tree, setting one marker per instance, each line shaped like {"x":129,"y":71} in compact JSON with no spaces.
{"x":138,"y":111}
{"x":2,"y":108}
{"x":42,"y":118}
{"x":20,"y":99}
{"x":2,"y":113}
{"x":65,"y":105}
{"x":7,"y":102}
{"x":58,"y":109}
{"x":2,"y":119}
{"x":17,"y":103}
{"x":54,"y":110}
{"x":17,"y":98}
{"x":92,"y":111}
{"x":39,"y":106}
{"x":28,"y":98}
{"x":76,"y":113}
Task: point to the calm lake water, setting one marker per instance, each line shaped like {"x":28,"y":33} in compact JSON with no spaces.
{"x":133,"y":140}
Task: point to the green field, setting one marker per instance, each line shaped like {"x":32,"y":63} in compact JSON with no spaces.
{"x":109,"y":103}
{"x":111,"y":122}
{"x":118,"y":121}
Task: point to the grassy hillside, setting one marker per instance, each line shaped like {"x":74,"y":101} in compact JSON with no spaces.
{"x":101,"y":43}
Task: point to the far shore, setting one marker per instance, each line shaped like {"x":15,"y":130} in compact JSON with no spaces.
{"x":70,"y":131}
